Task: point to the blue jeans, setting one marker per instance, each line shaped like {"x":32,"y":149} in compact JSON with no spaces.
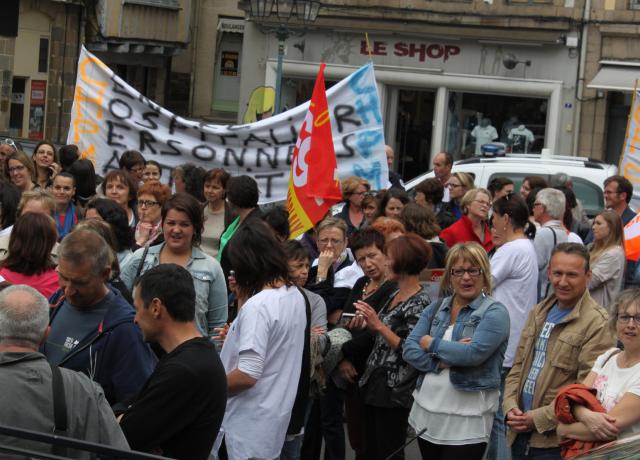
{"x":498,"y":449}
{"x":520,"y":450}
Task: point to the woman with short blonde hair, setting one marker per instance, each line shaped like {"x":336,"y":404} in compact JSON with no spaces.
{"x":472,"y":226}
{"x":458,"y":184}
{"x":458,"y":347}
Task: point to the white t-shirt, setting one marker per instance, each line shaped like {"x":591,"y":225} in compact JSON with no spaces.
{"x":452,"y":417}
{"x":514,"y":270}
{"x":483,"y":136}
{"x":612,"y":382}
{"x":271,"y":324}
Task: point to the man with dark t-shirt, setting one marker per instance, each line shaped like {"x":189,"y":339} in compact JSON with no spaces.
{"x":179,"y":411}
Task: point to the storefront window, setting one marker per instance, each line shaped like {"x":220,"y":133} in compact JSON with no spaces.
{"x":297,"y":91}
{"x":490,"y":123}
{"x":413,"y":131}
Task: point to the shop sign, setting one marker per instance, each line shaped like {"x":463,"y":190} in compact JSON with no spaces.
{"x":411,"y":50}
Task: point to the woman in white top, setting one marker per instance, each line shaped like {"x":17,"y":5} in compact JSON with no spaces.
{"x":608,"y":258}
{"x":514,"y":272}
{"x":458,"y":346}
{"x":616,"y":377}
{"x":262,"y":352}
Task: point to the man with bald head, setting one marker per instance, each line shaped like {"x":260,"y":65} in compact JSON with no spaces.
{"x":28,"y":381}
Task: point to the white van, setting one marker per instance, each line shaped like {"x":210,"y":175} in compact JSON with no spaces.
{"x":587,"y":175}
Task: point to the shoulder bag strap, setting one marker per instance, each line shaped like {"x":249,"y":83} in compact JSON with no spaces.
{"x":59,"y":408}
{"x":296,"y":421}
{"x":141,"y":264}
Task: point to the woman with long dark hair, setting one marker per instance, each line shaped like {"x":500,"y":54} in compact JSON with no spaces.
{"x":112,"y":213}
{"x":45,"y":158}
{"x":263,"y":350}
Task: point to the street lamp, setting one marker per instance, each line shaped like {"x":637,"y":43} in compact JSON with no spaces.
{"x":305,"y":11}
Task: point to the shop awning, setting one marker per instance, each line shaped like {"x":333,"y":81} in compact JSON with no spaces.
{"x":235,"y":26}
{"x":616,"y":76}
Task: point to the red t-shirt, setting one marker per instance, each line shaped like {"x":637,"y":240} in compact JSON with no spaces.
{"x":462,"y":232}
{"x":45,"y":283}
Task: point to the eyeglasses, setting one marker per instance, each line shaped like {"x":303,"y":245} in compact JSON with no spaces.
{"x":609,"y":192}
{"x":147,"y":203}
{"x":359,"y":193}
{"x":453,"y":185}
{"x":537,"y":204}
{"x":624,"y":319}
{"x":482,"y":203}
{"x":326,"y":241}
{"x":473,"y":272}
{"x":16,"y":169}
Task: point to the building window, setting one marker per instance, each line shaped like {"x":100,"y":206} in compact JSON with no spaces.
{"x":634,"y":4}
{"x":43,"y":55}
{"x":169,"y":4}
{"x":490,"y":123}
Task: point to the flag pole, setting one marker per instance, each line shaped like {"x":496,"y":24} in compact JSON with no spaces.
{"x":366,"y":37}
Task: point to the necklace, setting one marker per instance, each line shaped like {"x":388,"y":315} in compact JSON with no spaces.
{"x":365,"y":289}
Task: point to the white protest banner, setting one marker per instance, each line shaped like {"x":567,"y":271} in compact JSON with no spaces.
{"x":110,"y":117}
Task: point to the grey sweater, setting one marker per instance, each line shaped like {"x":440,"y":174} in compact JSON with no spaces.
{"x":607,"y":276}
{"x":548,"y":236}
{"x":27,"y":403}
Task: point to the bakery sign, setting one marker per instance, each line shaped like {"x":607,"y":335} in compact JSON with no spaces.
{"x":419,"y":51}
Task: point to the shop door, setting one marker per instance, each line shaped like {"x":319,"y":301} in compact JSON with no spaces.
{"x":619,"y":108}
{"x":414,"y":124}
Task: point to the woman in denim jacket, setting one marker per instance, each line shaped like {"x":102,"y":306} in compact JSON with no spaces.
{"x":182,"y":223}
{"x":458,"y":345}
{"x":388,"y":381}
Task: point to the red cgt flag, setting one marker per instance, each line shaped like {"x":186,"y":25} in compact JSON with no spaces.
{"x":313,"y":183}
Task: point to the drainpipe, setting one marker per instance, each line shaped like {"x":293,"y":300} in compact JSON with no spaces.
{"x":192,"y":80}
{"x":586,"y":16}
{"x":64,"y":59}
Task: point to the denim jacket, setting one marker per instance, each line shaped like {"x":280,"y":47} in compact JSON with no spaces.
{"x":474,"y":366}
{"x":208,"y":281}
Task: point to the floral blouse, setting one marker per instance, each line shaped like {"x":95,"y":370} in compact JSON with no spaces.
{"x":400,"y":377}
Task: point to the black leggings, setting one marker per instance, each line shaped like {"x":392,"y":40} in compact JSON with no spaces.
{"x":430,"y":451}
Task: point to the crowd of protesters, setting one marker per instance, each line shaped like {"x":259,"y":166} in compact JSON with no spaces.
{"x":190,"y":325}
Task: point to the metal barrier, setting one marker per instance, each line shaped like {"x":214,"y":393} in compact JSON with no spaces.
{"x":100,"y":450}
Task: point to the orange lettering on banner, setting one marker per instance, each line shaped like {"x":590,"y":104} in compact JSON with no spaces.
{"x":83,"y":104}
{"x":635,"y":140}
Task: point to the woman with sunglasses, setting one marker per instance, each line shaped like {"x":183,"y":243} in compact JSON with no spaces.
{"x":354,"y":189}
{"x":458,"y":346}
{"x":458,"y":185}
{"x":472,"y":226}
